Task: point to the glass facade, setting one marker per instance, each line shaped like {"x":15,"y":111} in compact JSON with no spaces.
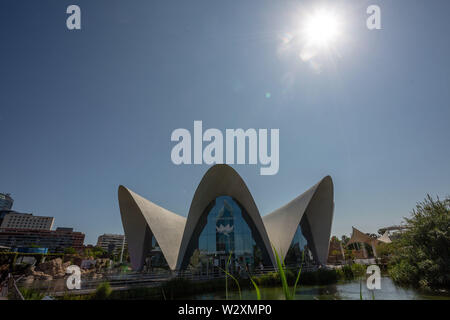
{"x":155,"y":258}
{"x":300,"y":245}
{"x":225,"y":228}
{"x":6,"y":202}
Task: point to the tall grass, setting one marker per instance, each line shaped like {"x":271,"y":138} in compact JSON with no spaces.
{"x":228,"y":274}
{"x":258,"y":293}
{"x":282,"y":273}
{"x":360,"y":290}
{"x":31,"y":294}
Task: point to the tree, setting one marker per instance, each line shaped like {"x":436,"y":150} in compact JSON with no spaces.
{"x":95,"y":252}
{"x":345,"y":240}
{"x":69,"y":250}
{"x":385,"y":250}
{"x":421,"y":257}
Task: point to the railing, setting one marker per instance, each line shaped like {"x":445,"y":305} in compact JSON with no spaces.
{"x":4,"y":289}
{"x":8,"y":288}
{"x":139,"y":279}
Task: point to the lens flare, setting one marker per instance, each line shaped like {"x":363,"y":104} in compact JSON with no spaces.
{"x":322,"y":28}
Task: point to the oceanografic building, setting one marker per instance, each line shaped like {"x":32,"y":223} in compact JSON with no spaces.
{"x":224,"y":223}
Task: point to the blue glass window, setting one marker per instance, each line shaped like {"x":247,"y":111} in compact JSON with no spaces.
{"x":299,"y":246}
{"x":226,"y":231}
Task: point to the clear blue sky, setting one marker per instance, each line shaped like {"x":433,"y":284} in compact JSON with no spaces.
{"x":84,"y":111}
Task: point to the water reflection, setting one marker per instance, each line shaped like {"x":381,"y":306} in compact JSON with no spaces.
{"x":340,"y":291}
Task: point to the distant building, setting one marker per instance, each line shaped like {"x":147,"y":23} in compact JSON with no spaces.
{"x":111,"y":243}
{"x":16,"y":220}
{"x":6,"y":202}
{"x":394,"y":232}
{"x":365,"y":243}
{"x":335,"y":251}
{"x":55,"y":240}
{"x":3,"y":213}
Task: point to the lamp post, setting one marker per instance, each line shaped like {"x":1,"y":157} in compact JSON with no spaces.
{"x":121,"y":251}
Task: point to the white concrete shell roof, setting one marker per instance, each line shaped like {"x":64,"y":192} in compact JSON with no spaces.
{"x":361,"y":237}
{"x":317,"y":205}
{"x":173,"y":232}
{"x":137,"y":214}
{"x":221,"y":180}
{"x":385,"y":237}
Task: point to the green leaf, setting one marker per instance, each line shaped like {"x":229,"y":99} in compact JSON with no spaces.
{"x":258,"y":293}
{"x":235,"y":280}
{"x":299,"y":273}
{"x":360,"y":290}
{"x":284,"y":283}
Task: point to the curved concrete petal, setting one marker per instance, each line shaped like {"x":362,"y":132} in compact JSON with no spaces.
{"x":138,"y":215}
{"x":317,"y":203}
{"x":221,"y":180}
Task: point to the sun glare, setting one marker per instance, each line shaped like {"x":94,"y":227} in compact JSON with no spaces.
{"x":322,"y":28}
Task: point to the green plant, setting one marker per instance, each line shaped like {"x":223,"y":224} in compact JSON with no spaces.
{"x":282,"y":274}
{"x":103,"y":291}
{"x":227,"y":274}
{"x":258,"y":293}
{"x":69,"y":250}
{"x":358,"y":270}
{"x":299,"y":273}
{"x":346,"y":272}
{"x":32,"y":294}
{"x":284,"y":279}
{"x":421,"y":255}
{"x":360,"y":290}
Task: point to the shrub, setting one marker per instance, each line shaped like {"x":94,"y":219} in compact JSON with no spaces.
{"x":421,"y":257}
{"x":103,"y":291}
{"x":358,"y":270}
{"x":325,"y":276}
{"x":350,"y":272}
{"x":321,"y":276}
{"x":32,"y":294}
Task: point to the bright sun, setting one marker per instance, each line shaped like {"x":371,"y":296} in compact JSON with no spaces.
{"x":321,"y":28}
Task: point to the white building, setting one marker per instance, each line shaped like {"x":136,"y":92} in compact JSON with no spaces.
{"x":111,"y":243}
{"x":223,"y":223}
{"x":15,"y":220}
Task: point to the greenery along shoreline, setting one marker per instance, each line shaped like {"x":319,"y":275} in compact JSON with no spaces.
{"x":179,"y":288}
{"x":421,"y":256}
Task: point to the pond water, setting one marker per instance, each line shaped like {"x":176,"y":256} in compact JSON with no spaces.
{"x":340,"y":291}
